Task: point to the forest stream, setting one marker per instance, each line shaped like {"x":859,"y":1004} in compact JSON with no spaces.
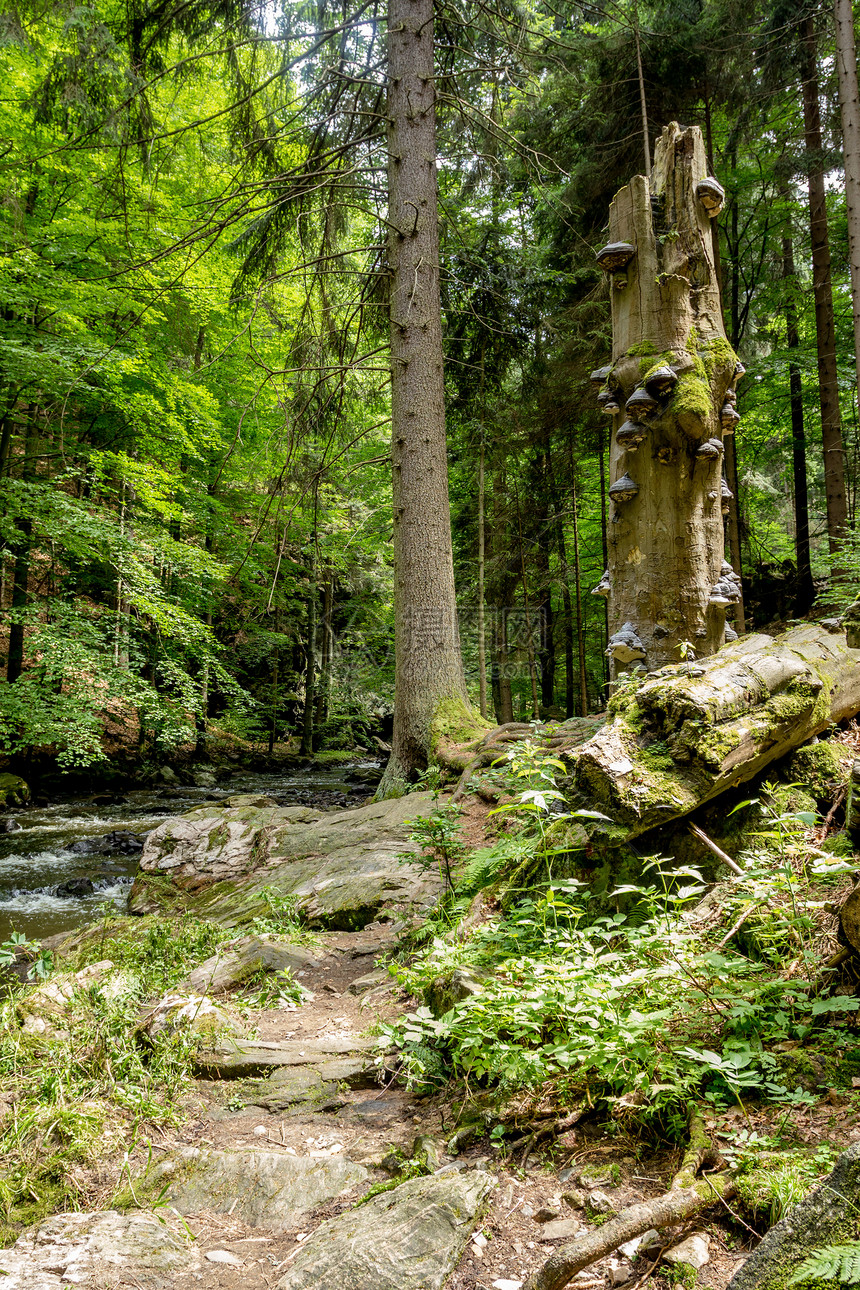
{"x":64,"y":859}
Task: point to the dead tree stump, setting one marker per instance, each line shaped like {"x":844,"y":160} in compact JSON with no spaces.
{"x":670,"y":390}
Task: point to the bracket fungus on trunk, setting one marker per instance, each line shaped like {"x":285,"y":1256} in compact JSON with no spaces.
{"x":672,"y":368}
{"x":624,"y":489}
{"x":712,"y":195}
{"x":640,"y":405}
{"x":629,"y":437}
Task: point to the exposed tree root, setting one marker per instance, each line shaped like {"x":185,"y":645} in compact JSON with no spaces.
{"x":685,"y":1197}
{"x":544,"y":1133}
{"x":670,"y":1208}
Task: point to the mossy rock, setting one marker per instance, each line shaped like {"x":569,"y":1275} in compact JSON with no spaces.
{"x":14,"y":791}
{"x":817,"y":767}
{"x":827,"y":1216}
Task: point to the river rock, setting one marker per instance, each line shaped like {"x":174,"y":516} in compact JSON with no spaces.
{"x":246,"y":957}
{"x":827,"y":1216}
{"x":81,"y":1249}
{"x":343,"y":867}
{"x":118,"y":842}
{"x":75,"y":887}
{"x":410,"y":1238}
{"x":261,"y":1188}
{"x":694,"y":1252}
{"x":14,"y":791}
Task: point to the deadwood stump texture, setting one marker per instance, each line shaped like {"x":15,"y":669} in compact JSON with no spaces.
{"x":666,"y":536}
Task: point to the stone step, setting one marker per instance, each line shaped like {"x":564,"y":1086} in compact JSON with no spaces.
{"x":238,"y":1058}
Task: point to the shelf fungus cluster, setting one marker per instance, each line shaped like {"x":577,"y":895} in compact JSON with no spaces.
{"x":625,"y":646}
{"x":672,"y":385}
{"x":726,"y":590}
{"x":614,"y":259}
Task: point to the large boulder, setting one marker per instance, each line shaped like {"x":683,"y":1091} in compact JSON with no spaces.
{"x":245,"y":959}
{"x":93,"y":1249}
{"x":410,"y":1238}
{"x":13,"y":791}
{"x":342,"y":867}
{"x":827,"y":1216}
{"x":262,"y":1188}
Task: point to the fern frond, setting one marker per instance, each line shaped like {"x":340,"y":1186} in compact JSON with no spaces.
{"x":833,"y":1263}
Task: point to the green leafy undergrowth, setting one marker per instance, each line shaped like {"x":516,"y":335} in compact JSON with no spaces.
{"x":90,"y":1085}
{"x":638,"y":1008}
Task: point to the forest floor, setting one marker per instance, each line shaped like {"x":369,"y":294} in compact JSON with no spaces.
{"x":369,"y":1124}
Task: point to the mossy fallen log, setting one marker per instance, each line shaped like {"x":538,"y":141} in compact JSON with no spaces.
{"x":690,"y":731}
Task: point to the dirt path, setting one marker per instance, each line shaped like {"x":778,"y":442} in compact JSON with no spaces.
{"x":369,"y":1121}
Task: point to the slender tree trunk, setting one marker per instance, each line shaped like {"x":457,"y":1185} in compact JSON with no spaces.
{"x":604,"y":544}
{"x":21,"y":571}
{"x":306,"y":747}
{"x":530,"y":649}
{"x":849,"y":105}
{"x":482,"y":644}
{"x":324,"y":687}
{"x":643,"y":102}
{"x":580,"y":625}
{"x":805,"y":586}
{"x":566,"y":604}
{"x":503,"y":585}
{"x":831,"y":422}
{"x":731,"y":455}
{"x":428,"y":666}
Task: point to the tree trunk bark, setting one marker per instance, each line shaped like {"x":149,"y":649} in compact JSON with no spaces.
{"x":805,"y":585}
{"x":482,"y":642}
{"x":720,"y":721}
{"x":825,"y":328}
{"x":429,"y":682}
{"x":580,"y":622}
{"x":324,"y":687}
{"x":849,"y":106}
{"x":21,"y":572}
{"x":666,"y":539}
{"x":306,"y":748}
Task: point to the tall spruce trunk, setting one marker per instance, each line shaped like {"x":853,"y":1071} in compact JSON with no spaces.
{"x":825,"y":328}
{"x":667,"y":587}
{"x":429,"y":683}
{"x":849,"y":106}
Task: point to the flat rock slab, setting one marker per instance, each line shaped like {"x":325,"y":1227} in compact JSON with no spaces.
{"x":76,"y":1249}
{"x":313,"y":1087}
{"x":827,"y":1216}
{"x":261,"y":1188}
{"x":235,"y":1059}
{"x":410,"y":1238}
{"x":343,"y":867}
{"x":232,"y":968}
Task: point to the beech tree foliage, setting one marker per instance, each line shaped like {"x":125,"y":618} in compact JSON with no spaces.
{"x":204,"y":344}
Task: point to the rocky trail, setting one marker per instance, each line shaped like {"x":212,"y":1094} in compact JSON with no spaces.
{"x":290,"y":1129}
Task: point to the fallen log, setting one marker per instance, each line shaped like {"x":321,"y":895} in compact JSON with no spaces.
{"x":688,"y":732}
